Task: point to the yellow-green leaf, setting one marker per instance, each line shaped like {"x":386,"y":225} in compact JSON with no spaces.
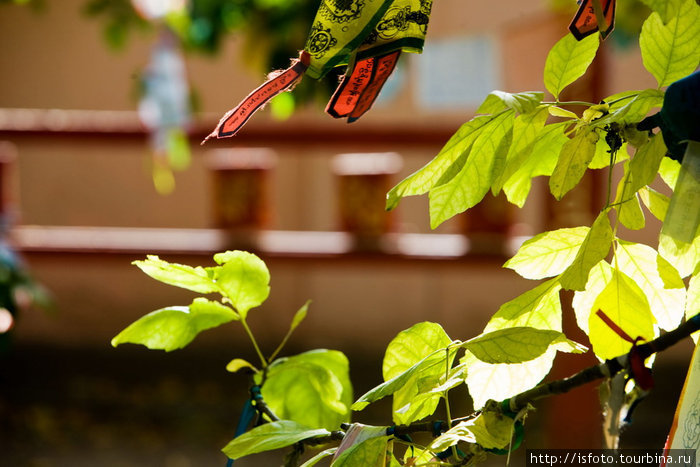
{"x":470,"y":185}
{"x":518,"y":344}
{"x":237,"y":364}
{"x":626,"y":305}
{"x":594,"y":248}
{"x":672,"y":51}
{"x":424,"y":179}
{"x":403,"y":352}
{"x":555,"y":111}
{"x":541,"y":160}
{"x":692,"y":304}
{"x":640,"y":263}
{"x":601,"y":158}
{"x":567,"y":61}
{"x":629,"y":211}
{"x":501,"y":381}
{"x":242,"y":278}
{"x":319,"y":457}
{"x":174,"y":327}
{"x":583,"y":300}
{"x":655,"y":202}
{"x":370,"y":453}
{"x":196,"y":279}
{"x":574,"y":158}
{"x":489,"y":430}
{"x":526,"y":129}
{"x":669,"y":171}
{"x":522,"y":102}
{"x":665,"y":8}
{"x":683,"y":256}
{"x":538,"y":308}
{"x":646,"y":161}
{"x":269,"y":436}
{"x":548,"y":254}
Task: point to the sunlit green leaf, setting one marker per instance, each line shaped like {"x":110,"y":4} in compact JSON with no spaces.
{"x":312,"y":388}
{"x":631,"y":111}
{"x":180,"y":275}
{"x":299,"y":316}
{"x":370,"y":453}
{"x":645,"y":164}
{"x":526,"y":129}
{"x":683,"y":256}
{"x":640,"y":263}
{"x":517,"y":344}
{"x":403,"y":352}
{"x":540,"y":161}
{"x":594,"y":248}
{"x":625,"y":304}
{"x":470,"y":185}
{"x":672,"y":51}
{"x":522,"y":102}
{"x":242,"y":278}
{"x":499,"y":382}
{"x":601,"y":158}
{"x":582,"y":303}
{"x":175,"y":327}
{"x":548,"y":254}
{"x":669,"y":171}
{"x":555,"y":111}
{"x":424,"y":179}
{"x":538,"y":308}
{"x":665,"y":8}
{"x":489,"y":430}
{"x":655,"y":202}
{"x":237,"y":364}
{"x":629,"y":211}
{"x":668,"y":274}
{"x":319,"y":457}
{"x":567,"y":61}
{"x":270,"y":436}
{"x":573,"y":161}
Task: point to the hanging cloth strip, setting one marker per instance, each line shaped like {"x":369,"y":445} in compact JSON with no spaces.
{"x":367,"y":36}
{"x":592,"y":16}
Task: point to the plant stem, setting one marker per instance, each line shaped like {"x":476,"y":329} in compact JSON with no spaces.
{"x":263,"y":361}
{"x":569,"y":103}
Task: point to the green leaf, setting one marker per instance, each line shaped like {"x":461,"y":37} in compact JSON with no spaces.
{"x":583,"y":301}
{"x":548,"y":254}
{"x":243,"y":279}
{"x":540,"y":161}
{"x":489,"y":430}
{"x":370,"y":453}
{"x":270,"y":436}
{"x":668,"y":274}
{"x":625,"y":304}
{"x":665,"y":8}
{"x":628,"y":112}
{"x":594,"y":248}
{"x":573,"y":161}
{"x":655,"y":202}
{"x":299,"y":316}
{"x":683,"y":256}
{"x":567,"y":61}
{"x":319,"y":457}
{"x":517,"y":344}
{"x":669,"y":171}
{"x":526,"y":130}
{"x":408,"y":348}
{"x":522,"y":102}
{"x":175,"y":327}
{"x":672,"y":51}
{"x":646,"y":162}
{"x":499,"y":382}
{"x":237,"y":364}
{"x":424,"y":179}
{"x":470,"y":185}
{"x":538,"y":308}
{"x":640,"y":263}
{"x":312,"y":388}
{"x":555,"y":111}
{"x":179,"y":275}
{"x":629,"y":211}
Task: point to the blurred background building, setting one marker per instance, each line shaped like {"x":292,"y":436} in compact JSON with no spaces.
{"x":82,"y":203}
